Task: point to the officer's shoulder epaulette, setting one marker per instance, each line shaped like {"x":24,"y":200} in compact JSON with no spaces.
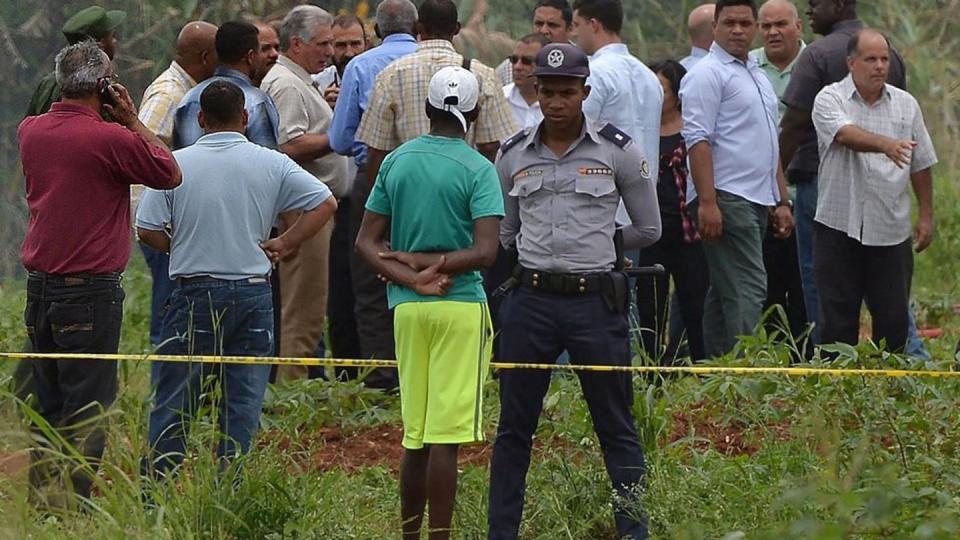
{"x":613,"y":134}
{"x":513,"y":140}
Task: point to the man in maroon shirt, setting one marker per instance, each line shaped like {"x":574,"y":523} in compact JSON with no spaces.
{"x":78,"y":170}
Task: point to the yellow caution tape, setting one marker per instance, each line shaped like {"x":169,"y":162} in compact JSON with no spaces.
{"x":344,"y":362}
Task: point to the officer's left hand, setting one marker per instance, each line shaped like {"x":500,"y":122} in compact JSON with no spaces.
{"x":782,"y":222}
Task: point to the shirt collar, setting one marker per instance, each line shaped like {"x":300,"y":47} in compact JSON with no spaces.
{"x":763,"y":61}
{"x":611,"y":48}
{"x":589,"y":131}
{"x":74,"y":108}
{"x":230,"y":73}
{"x":394,"y":38}
{"x":850,"y":89}
{"x":295,"y":68}
{"x":221,"y":137}
{"x":728,"y":58}
{"x":182,"y":74}
{"x":436,"y":44}
{"x":514,"y":97}
{"x":698,"y":52}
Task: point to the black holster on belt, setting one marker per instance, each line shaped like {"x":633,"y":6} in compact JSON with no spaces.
{"x":615,"y":290}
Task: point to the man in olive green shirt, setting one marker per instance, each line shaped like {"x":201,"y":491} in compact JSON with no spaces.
{"x":780,"y":29}
{"x":93,"y":23}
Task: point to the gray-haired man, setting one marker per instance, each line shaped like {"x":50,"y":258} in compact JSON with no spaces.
{"x":306,"y":45}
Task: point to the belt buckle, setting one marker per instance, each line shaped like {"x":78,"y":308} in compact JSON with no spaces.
{"x":74,"y":281}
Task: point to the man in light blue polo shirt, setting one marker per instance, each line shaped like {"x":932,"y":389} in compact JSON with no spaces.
{"x":219,"y":223}
{"x":730,"y":126}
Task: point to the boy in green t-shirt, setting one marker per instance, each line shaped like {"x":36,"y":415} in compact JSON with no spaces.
{"x":441,"y":202}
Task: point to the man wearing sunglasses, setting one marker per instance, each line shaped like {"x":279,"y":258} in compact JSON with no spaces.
{"x":551,"y":19}
{"x":522,"y":92}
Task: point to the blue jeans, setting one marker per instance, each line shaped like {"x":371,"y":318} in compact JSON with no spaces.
{"x":160,"y":288}
{"x":804,"y":210}
{"x":915,"y":346}
{"x":216,"y":317}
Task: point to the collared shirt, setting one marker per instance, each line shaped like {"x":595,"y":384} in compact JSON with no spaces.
{"x":560,"y":210}
{"x":778,"y":79}
{"x":262,"y":118}
{"x":527,"y":115}
{"x":395,"y":114}
{"x":160,"y":100}
{"x":355,"y":87}
{"x":625,"y":93}
{"x":730,"y":105}
{"x":303,"y":111}
{"x":231,"y":194}
{"x":865,"y":194}
{"x":824,"y":62}
{"x":78,"y":171}
{"x":696,"y":54}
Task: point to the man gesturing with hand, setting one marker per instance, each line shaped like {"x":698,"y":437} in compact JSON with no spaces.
{"x":873,"y":144}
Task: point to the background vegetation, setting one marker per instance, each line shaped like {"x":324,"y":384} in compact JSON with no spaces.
{"x":728,"y":457}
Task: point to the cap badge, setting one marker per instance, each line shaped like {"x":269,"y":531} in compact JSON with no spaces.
{"x":555,"y":59}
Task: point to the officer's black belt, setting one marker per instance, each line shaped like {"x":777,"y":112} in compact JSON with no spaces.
{"x":572,"y":284}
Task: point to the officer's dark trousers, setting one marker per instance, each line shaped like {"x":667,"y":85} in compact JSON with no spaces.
{"x":69,"y":314}
{"x":344,"y":341}
{"x":373,"y":318}
{"x":849,"y":273}
{"x":537,"y":327}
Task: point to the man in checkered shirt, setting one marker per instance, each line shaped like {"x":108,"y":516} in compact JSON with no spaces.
{"x":873,"y":145}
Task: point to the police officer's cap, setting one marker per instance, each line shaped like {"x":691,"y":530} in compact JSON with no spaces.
{"x":92,"y":22}
{"x":561,"y":60}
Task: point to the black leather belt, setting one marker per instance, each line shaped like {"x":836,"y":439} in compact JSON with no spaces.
{"x":71,"y":280}
{"x":199,"y":280}
{"x":571,"y":284}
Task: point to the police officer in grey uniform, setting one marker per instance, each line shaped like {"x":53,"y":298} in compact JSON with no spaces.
{"x":562,"y":181}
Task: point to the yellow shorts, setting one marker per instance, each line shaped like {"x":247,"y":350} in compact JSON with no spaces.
{"x":443,"y":354}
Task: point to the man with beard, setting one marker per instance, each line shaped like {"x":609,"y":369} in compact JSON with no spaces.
{"x":349,"y":40}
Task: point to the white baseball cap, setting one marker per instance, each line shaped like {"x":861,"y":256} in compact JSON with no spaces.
{"x":455,"y":90}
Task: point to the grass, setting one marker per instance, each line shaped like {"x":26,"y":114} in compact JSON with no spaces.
{"x":727,"y":457}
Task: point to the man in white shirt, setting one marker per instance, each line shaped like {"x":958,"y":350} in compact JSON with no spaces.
{"x":522,"y":92}
{"x":873,"y":145}
{"x":551,"y":19}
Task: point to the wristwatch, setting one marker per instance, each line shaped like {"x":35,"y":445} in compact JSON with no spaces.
{"x":785,"y":202}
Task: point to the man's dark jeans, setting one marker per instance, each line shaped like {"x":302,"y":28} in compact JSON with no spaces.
{"x":73,"y":314}
{"x":850,"y":273}
{"x":537,"y":327}
{"x":211,"y":317}
{"x":344,"y":340}
{"x":160,"y":288}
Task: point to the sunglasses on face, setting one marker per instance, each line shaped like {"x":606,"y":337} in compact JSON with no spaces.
{"x":527,"y":60}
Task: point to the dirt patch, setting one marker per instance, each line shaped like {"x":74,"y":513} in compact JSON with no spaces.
{"x":704,"y":430}
{"x":14,"y":465}
{"x":332,"y":448}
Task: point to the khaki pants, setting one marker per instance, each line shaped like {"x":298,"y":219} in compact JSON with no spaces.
{"x":304,"y":295}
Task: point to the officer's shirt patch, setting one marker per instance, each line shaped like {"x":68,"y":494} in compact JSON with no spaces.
{"x":645,"y":169}
{"x":596,"y":171}
{"x":527,"y":174}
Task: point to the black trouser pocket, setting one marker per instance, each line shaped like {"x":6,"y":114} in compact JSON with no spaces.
{"x":71,"y":326}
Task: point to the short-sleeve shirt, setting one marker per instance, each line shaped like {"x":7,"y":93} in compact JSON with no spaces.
{"x":821,"y":63}
{"x":560,"y":210}
{"x":303,"y":111}
{"x":865,"y":194}
{"x":262,"y":118}
{"x":395,"y":113}
{"x":231,"y":194}
{"x":79,"y":169}
{"x":434,"y":188}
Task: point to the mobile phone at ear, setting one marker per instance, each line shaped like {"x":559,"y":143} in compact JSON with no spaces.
{"x":106,"y":97}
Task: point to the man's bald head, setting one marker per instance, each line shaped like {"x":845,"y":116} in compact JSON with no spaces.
{"x":700,"y":26}
{"x":196,"y":52}
{"x":780,"y":6}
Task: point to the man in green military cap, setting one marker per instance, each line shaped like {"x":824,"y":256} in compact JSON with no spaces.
{"x":93,"y":23}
